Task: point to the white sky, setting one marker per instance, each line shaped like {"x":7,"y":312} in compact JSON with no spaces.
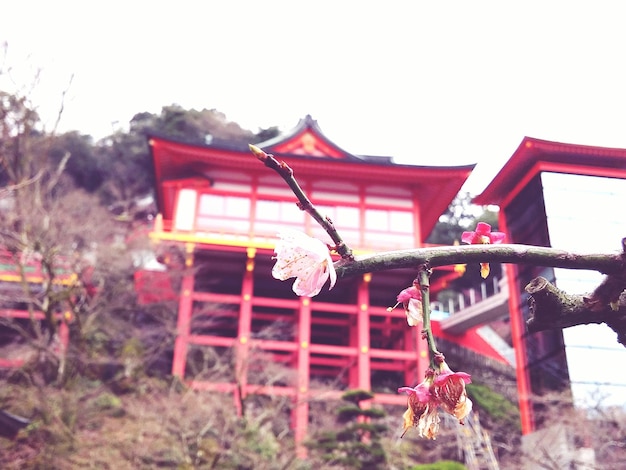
{"x":433,"y":83}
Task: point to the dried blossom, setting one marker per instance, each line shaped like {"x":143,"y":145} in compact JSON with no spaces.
{"x":421,"y":411}
{"x":449,"y":388}
{"x":443,"y":389}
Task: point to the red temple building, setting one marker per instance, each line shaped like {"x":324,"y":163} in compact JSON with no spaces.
{"x":566,"y":196}
{"x":14,"y":304}
{"x":221,"y":208}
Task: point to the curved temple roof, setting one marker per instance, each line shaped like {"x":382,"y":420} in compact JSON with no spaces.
{"x":306,"y":139}
{"x":534,"y":155}
{"x":309,"y":152}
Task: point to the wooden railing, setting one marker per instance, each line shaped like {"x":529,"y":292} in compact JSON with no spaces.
{"x":472,"y":296}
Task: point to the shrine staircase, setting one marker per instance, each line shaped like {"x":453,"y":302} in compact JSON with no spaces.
{"x":475,"y":445}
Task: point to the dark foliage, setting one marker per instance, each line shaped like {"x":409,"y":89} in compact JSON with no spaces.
{"x":357,"y":444}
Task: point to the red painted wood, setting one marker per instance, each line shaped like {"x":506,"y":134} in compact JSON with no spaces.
{"x":423,"y":358}
{"x":300,"y":412}
{"x":518,"y":329}
{"x":63,"y":331}
{"x":245,"y":322}
{"x":185,"y":305}
{"x":352,"y":349}
{"x":207,"y":340}
{"x":11,"y":363}
{"x":363,"y":334}
{"x":13,"y":313}
{"x":333,"y":350}
{"x":471,"y":340}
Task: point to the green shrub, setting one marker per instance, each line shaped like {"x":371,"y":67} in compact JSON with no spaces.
{"x":495,"y":405}
{"x":441,"y":465}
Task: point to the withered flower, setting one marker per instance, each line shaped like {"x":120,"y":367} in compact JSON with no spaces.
{"x":421,"y":411}
{"x":449,"y":388}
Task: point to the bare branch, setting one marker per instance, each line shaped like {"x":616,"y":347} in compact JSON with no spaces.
{"x":304,"y":203}
{"x":5,"y":191}
{"x":552,"y":308}
{"x":449,"y":255}
{"x":59,"y":171}
{"x":62,"y":105}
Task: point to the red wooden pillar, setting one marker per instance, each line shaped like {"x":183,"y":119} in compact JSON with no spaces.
{"x":417,"y":226}
{"x":524,"y":391}
{"x":363,"y":333}
{"x":300,"y":411}
{"x":421,"y":346}
{"x":243,"y":332}
{"x":353,"y":342}
{"x":413,"y":342}
{"x":185,"y":307}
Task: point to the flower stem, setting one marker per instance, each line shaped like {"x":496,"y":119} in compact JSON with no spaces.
{"x":424,"y":282}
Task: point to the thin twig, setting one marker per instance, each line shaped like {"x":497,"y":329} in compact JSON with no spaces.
{"x":304,"y":203}
{"x":424,"y":283}
{"x":5,"y":191}
{"x":62,"y":105}
{"x":59,"y":171}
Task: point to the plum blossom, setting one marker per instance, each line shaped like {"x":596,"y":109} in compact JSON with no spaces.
{"x":305,"y":258}
{"x":411,"y":300}
{"x":449,"y":388}
{"x":441,"y":388}
{"x":483,"y":236}
{"x":421,"y":410}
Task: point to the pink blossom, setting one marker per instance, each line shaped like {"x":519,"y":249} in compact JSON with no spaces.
{"x":411,"y":299}
{"x":482,"y":236}
{"x":409,"y":293}
{"x":305,"y":258}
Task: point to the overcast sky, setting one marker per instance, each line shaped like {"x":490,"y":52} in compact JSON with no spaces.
{"x":431,"y":83}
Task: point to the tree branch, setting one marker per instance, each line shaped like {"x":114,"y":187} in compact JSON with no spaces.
{"x":424,"y":283}
{"x":449,"y":255}
{"x":552,"y":308}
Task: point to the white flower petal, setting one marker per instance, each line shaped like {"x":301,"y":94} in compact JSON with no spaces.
{"x":413,"y":310}
{"x":305,"y":258}
{"x":290,"y":261}
{"x":310,"y":284}
{"x":332,"y":272}
{"x":463,"y":407}
{"x":428,"y":424}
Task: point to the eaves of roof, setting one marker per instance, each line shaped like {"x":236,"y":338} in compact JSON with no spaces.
{"x":531,"y":153}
